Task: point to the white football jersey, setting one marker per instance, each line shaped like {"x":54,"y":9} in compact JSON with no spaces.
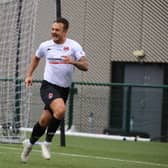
{"x":56,"y":72}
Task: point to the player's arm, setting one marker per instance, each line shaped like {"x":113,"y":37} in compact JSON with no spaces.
{"x":81,"y":64}
{"x":34,"y":63}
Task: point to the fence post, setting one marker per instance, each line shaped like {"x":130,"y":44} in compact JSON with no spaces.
{"x":128,"y":109}
{"x":71,"y":99}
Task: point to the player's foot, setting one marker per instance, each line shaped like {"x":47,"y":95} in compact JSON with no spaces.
{"x":26,"y":150}
{"x":45,"y":147}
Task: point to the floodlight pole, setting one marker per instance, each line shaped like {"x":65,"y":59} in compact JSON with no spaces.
{"x":62,"y":125}
{"x":58,"y":8}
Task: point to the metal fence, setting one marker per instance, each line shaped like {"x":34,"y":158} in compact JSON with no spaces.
{"x":108,"y":108}
{"x":119,"y":108}
{"x":112,"y":108}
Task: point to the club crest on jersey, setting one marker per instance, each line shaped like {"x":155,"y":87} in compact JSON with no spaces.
{"x":50,"y":95}
{"x":66,"y":48}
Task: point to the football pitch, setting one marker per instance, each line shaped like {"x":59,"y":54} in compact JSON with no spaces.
{"x":89,"y":153}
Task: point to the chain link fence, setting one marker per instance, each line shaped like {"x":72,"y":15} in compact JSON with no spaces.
{"x":111,"y":108}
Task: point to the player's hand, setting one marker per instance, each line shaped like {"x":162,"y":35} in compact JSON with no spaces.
{"x":68,"y":60}
{"x":28,"y":81}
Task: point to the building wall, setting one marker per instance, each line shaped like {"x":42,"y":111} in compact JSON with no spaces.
{"x":110,"y":30}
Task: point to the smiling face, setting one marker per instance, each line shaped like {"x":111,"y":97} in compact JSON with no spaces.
{"x":58,"y":33}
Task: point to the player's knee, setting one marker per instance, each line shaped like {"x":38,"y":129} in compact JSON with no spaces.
{"x":58,"y":107}
{"x":59,"y":112}
{"x":43,"y":122}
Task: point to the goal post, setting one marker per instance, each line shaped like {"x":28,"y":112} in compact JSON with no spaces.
{"x":17,"y":28}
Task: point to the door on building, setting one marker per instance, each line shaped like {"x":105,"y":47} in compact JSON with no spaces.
{"x":146,"y":103}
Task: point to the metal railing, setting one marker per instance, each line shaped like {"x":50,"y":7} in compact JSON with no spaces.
{"x":95,"y":107}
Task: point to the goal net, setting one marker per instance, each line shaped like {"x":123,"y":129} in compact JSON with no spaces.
{"x":17,"y":28}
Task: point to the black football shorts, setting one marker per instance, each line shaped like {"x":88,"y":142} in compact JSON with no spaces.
{"x":49,"y":92}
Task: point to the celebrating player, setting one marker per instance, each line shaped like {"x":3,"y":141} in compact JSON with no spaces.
{"x":62,"y":55}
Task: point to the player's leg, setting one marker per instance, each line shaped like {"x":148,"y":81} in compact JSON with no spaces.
{"x":54,"y":98}
{"x":40,"y":127}
{"x":58,"y":109}
{"x":38,"y":130}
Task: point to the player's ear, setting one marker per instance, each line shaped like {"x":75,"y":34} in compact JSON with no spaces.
{"x":65,"y":33}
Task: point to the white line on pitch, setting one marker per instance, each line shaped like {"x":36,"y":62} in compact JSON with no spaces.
{"x":96,"y":157}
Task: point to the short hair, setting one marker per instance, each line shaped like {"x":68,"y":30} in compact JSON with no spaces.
{"x":64,"y":22}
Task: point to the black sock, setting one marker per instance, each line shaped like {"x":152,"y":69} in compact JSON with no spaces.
{"x":37,"y":132}
{"x":52,"y":128}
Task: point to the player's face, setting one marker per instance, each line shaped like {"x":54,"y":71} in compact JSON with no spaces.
{"x":58,"y":33}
